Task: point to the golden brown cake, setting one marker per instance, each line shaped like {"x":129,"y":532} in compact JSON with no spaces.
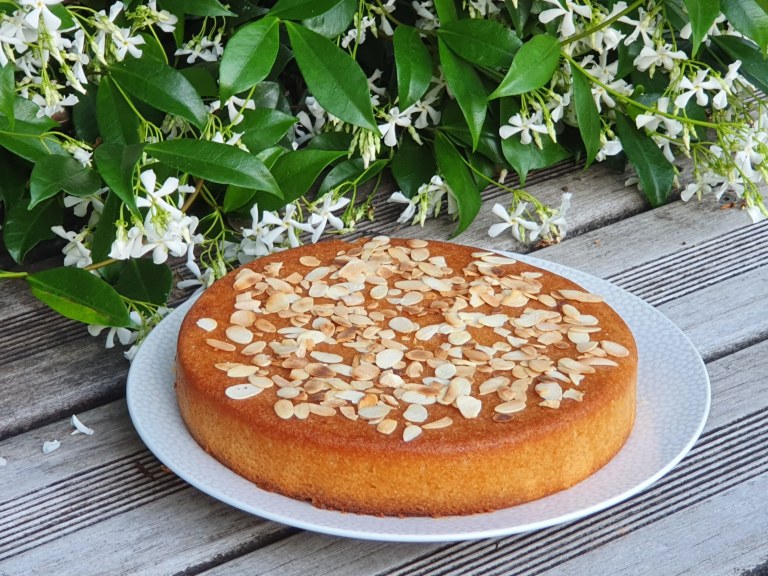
{"x":405,"y":378}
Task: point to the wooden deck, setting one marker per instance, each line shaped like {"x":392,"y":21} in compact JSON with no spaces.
{"x":103,"y":504}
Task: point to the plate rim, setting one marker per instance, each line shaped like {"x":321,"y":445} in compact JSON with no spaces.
{"x":609,"y":290}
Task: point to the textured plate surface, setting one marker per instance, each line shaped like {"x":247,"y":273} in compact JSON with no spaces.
{"x":673,"y":400}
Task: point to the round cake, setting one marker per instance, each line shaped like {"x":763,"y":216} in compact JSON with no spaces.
{"x":405,"y":377}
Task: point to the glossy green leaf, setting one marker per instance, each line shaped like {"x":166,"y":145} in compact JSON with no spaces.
{"x":453,"y":124}
{"x":750,"y":18}
{"x":7,"y":93}
{"x":24,"y":229}
{"x":302,"y":9}
{"x":27,"y":140}
{"x":446,"y":11}
{"x":55,"y":173}
{"x":702,"y":14}
{"x":753,"y":65}
{"x":195,"y":7}
{"x":519,"y":11}
{"x":162,"y":87}
{"x":413,"y":65}
{"x":587,"y":115}
{"x":335,"y":21}
{"x":295,"y":172}
{"x":27,"y":111}
{"x":335,"y":80}
{"x":248,"y":56}
{"x":79,"y":295}
{"x":412,"y":166}
{"x":106,"y":230}
{"x":215,"y":162}
{"x":533,"y":66}
{"x":264,"y":127}
{"x":116,"y":164}
{"x":352,"y":170}
{"x":202,"y":80}
{"x":116,"y":121}
{"x":655,"y":172}
{"x":460,"y":180}
{"x":481,"y":42}
{"x":142,"y":280}
{"x":464,"y":83}
{"x":84,"y":117}
{"x":13,"y":183}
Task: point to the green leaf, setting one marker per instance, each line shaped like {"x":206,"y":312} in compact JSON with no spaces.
{"x":412,"y":166}
{"x":84,"y":117}
{"x":144,"y":281}
{"x":79,"y":295}
{"x":24,"y":229}
{"x":464,"y":83}
{"x":296,"y":171}
{"x":55,"y":173}
{"x":105,"y":232}
{"x":27,"y":140}
{"x":248,"y":56}
{"x":215,"y":162}
{"x":446,"y":11}
{"x":702,"y":14}
{"x":203,"y":81}
{"x":353,"y":170}
{"x":459,"y":179}
{"x":453,"y":124}
{"x":264,"y":127}
{"x":335,"y":80}
{"x":14,"y":181}
{"x":302,"y":9}
{"x":116,"y":165}
{"x":7,"y":93}
{"x":750,"y":18}
{"x":117,"y":122}
{"x":533,"y":66}
{"x":519,"y":11}
{"x":335,"y":21}
{"x":481,"y":42}
{"x":162,"y":87}
{"x":753,"y":65}
{"x":413,"y":65}
{"x":195,"y":7}
{"x":655,"y":172}
{"x":587,"y":115}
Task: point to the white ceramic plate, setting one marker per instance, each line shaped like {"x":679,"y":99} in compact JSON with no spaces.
{"x":673,"y":403}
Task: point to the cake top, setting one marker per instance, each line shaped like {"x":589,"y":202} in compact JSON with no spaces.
{"x":408,"y":336}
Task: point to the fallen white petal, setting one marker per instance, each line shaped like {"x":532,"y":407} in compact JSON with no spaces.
{"x":49,"y":447}
{"x":79,"y":426}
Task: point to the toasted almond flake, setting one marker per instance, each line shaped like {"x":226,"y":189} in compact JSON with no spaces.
{"x":614,"y":348}
{"x":573,"y":394}
{"x":207,"y":324}
{"x":319,"y":370}
{"x":497,"y":259}
{"x":411,"y":431}
{"x":468,"y":406}
{"x":427,"y":332}
{"x":318,"y":290}
{"x":261,"y":381}
{"x":317,"y":274}
{"x":540,"y":364}
{"x":246,"y":278}
{"x":79,"y":427}
{"x":459,"y":386}
{"x":379,"y":291}
{"x":416,"y":413}
{"x":446,"y":370}
{"x":365,"y":371}
{"x":284,"y":408}
{"x":596,"y":361}
{"x":239,"y":334}
{"x":578,"y":337}
{"x":348,"y":412}
{"x":320,"y":410}
{"x":388,"y":357}
{"x":243,"y":318}
{"x":289,"y":392}
{"x":219,"y":345}
{"x":387,"y":426}
{"x":443,"y":422}
{"x":413,"y":397}
{"x":326,"y":357}
{"x":242,"y":371}
{"x":242,"y":391}
{"x":309,"y":261}
{"x":417,"y":243}
{"x":437,"y":284}
{"x":510,"y":407}
{"x":277,"y":302}
{"x":547,"y":300}
{"x":570,"y":365}
{"x":301,"y":410}
{"x":401,"y":324}
{"x":580,"y":296}
{"x":583,"y":347}
{"x":50,"y":445}
{"x":419,"y":254}
{"x":549,"y":390}
{"x":493,"y":384}
{"x":459,"y":338}
{"x":550,"y":404}
{"x":374,"y":412}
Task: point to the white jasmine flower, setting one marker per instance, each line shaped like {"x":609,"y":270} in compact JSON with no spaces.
{"x":201,"y":48}
{"x":394,"y":118}
{"x":80,"y":428}
{"x":293,"y":227}
{"x":124,"y":335}
{"x":410,"y":208}
{"x":164,"y":19}
{"x":38,"y":10}
{"x":80,"y":204}
{"x":425,"y":110}
{"x":650,"y":57}
{"x":755,"y":213}
{"x":50,"y":445}
{"x":524,"y":126}
{"x":696,"y":87}
{"x":128,"y":243}
{"x":377,"y":91}
{"x":482,"y":8}
{"x":427,"y":17}
{"x":201,"y":279}
{"x":260,"y":238}
{"x":126,"y":44}
{"x":76,"y":54}
{"x":567,"y":26}
{"x":608,"y":147}
{"x":75,"y":252}
{"x":553,"y":222}
{"x":323,"y":215}
{"x":514,"y":220}
{"x":652,"y":121}
{"x":645,"y":27}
